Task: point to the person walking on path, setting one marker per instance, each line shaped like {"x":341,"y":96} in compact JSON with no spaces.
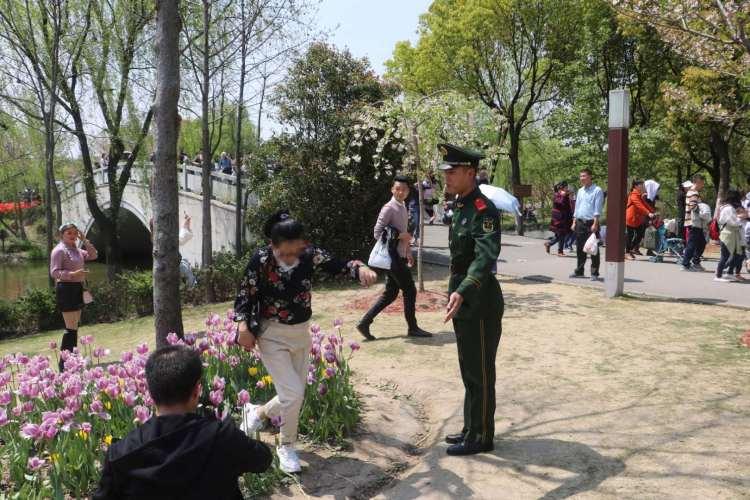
{"x":589,"y":203}
{"x":273,"y":310}
{"x":696,"y":221}
{"x":67,"y":268}
{"x":637,"y":214}
{"x":562,"y":218}
{"x":475,"y":303}
{"x":394,"y":215}
{"x":732,"y":217}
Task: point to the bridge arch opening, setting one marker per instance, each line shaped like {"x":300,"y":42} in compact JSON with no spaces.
{"x":135,"y":239}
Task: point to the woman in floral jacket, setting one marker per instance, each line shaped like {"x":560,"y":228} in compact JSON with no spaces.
{"x":273,"y":308}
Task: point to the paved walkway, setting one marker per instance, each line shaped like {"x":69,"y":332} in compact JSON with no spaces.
{"x":525,"y":258}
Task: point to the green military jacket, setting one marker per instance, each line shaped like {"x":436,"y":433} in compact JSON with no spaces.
{"x":474,"y":245}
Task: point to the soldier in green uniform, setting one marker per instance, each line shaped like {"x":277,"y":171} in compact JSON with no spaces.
{"x":476,"y":302}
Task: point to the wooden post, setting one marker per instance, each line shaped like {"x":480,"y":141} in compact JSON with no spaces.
{"x":619,"y":122}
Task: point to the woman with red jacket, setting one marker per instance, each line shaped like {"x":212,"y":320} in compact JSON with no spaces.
{"x":637,"y":213}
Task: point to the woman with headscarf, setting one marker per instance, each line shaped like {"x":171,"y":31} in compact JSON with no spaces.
{"x":273,"y":310}
{"x":66,"y":266}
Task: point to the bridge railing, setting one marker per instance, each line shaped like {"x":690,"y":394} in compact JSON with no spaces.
{"x":189,"y":179}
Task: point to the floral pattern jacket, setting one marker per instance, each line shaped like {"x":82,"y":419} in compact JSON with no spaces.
{"x":266,"y":292}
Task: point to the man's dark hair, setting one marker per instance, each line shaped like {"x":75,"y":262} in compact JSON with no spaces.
{"x":587,"y":171}
{"x":698,"y":177}
{"x":636,"y":183}
{"x":402,"y":178}
{"x":171,"y":374}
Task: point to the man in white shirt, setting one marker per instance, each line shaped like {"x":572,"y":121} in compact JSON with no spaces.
{"x":588,"y":211}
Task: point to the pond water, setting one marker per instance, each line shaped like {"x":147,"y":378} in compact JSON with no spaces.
{"x":16,"y":278}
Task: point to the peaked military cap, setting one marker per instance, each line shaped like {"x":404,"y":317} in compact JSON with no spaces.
{"x":453,"y":156}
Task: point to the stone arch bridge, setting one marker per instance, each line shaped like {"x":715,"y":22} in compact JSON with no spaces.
{"x":136,"y":212}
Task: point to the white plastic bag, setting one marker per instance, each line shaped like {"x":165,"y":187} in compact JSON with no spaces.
{"x":592,"y":245}
{"x":379,"y":256}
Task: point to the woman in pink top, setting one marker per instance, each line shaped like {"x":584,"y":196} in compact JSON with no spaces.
{"x":66,"y":267}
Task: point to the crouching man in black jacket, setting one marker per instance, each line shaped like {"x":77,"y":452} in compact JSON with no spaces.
{"x":178,"y":454}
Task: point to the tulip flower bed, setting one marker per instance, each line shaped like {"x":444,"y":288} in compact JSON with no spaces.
{"x":56,"y":427}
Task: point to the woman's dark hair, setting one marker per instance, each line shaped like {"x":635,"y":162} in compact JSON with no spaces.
{"x":636,"y":183}
{"x":734,"y":198}
{"x":171,"y":374}
{"x":280,"y":227}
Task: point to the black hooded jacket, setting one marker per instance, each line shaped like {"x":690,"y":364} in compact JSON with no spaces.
{"x":181,"y":457}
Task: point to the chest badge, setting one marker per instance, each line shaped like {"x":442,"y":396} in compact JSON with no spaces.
{"x":488,"y":225}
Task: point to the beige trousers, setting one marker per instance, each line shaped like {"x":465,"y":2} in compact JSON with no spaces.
{"x":284,"y":351}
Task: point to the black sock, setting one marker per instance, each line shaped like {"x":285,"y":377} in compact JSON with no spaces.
{"x":69,"y":341}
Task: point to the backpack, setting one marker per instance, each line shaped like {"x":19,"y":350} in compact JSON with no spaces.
{"x":713,"y":229}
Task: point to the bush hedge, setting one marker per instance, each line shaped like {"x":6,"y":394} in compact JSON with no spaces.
{"x":129,"y":295}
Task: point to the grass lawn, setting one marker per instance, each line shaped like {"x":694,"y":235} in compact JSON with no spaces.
{"x":118,"y":337}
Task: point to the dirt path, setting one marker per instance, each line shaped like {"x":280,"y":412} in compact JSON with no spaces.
{"x":596,"y":399}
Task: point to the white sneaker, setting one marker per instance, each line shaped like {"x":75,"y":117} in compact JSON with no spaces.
{"x":722,"y":280}
{"x":251,"y":422}
{"x":288,"y":459}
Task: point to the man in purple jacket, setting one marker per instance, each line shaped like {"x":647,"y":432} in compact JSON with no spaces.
{"x":394,"y":219}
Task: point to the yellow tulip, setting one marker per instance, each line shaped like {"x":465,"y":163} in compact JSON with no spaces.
{"x":108,"y":439}
{"x":268,"y":380}
{"x":252,"y":371}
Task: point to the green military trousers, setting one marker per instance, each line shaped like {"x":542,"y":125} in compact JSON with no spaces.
{"x":477,"y":339}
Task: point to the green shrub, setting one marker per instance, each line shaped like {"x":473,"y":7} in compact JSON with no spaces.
{"x":37,"y":253}
{"x":224,"y":276}
{"x":16,"y":245}
{"x":36,"y":310}
{"x":138,"y":289}
{"x":109,"y":304}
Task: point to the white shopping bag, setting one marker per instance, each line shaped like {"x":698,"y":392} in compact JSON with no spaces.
{"x":379,"y":256}
{"x":592,"y":245}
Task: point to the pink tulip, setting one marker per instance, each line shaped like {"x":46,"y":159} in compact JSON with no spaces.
{"x":126,"y":357}
{"x":87,"y":339}
{"x":218,"y":383}
{"x":322,"y":389}
{"x":3,"y":417}
{"x":330,"y":372}
{"x":142,"y":414}
{"x":216,"y":397}
{"x":277,"y":421}
{"x":86,"y":427}
{"x":129,"y":399}
{"x":53,"y":345}
{"x":243,"y":397}
{"x":35,"y":463}
{"x":338,"y":323}
{"x":142,"y":348}
{"x":354,"y":346}
{"x":31,"y":431}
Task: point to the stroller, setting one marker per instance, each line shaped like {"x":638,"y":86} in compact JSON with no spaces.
{"x":667,"y":244}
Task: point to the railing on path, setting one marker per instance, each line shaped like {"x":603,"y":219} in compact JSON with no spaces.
{"x":189,"y":179}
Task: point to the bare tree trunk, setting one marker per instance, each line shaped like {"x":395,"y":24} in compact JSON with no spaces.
{"x":238,"y":143}
{"x":515,"y":170}
{"x":260,"y":107}
{"x":207,"y":250}
{"x":418,"y":168}
{"x":164,"y":200}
